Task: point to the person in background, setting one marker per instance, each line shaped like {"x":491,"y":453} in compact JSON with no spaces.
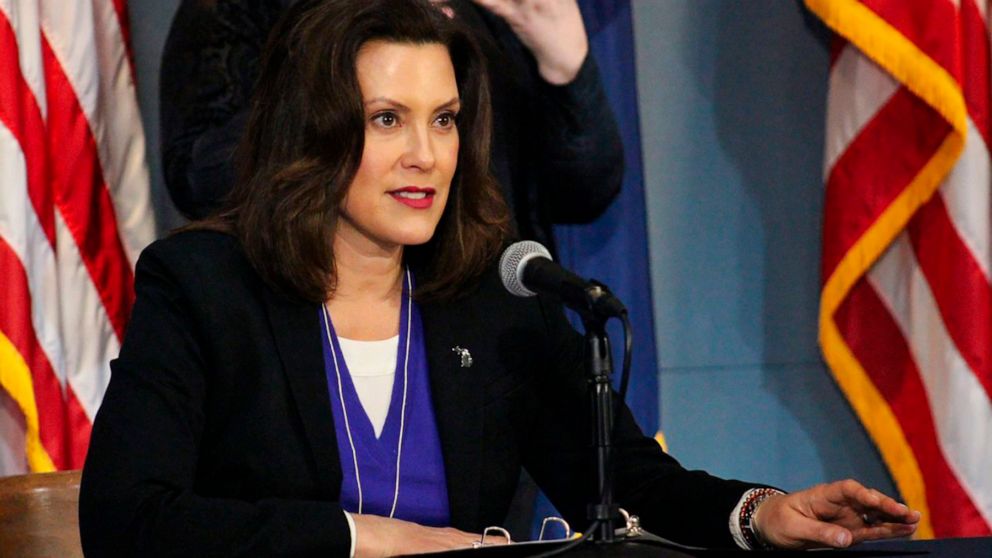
{"x":556,"y":150}
{"x":331,"y":367}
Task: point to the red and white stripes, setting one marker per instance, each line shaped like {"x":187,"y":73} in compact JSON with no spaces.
{"x":74,"y":213}
{"x":906,"y":312}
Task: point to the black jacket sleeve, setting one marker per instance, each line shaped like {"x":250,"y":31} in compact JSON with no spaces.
{"x":581,"y":150}
{"x":139,"y":495}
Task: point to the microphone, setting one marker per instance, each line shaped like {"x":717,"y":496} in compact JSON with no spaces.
{"x":527,"y":269}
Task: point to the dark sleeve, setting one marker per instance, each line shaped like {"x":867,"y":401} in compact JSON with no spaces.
{"x":137,"y":496}
{"x":582,"y":162}
{"x":690,"y":507}
{"x":209,"y":66}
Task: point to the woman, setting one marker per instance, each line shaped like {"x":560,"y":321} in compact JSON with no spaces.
{"x":332,"y":367}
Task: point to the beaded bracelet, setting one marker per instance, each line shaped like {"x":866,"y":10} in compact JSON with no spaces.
{"x":746,"y":517}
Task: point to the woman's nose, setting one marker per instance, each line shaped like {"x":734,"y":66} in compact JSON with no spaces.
{"x":420,"y":149}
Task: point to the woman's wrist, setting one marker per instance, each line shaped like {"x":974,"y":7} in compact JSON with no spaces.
{"x":561,"y":68}
{"x":746,"y":525}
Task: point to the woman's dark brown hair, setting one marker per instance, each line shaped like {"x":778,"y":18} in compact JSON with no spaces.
{"x":305,"y":136}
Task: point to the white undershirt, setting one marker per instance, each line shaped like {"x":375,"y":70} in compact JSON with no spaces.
{"x":373,"y":368}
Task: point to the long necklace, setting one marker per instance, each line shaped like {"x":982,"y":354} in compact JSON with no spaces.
{"x":344,"y":410}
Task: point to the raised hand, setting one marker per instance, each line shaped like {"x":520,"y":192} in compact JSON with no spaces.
{"x":551,"y":29}
{"x":837,"y":514}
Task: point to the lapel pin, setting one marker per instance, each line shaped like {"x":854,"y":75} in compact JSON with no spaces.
{"x":466,"y":357}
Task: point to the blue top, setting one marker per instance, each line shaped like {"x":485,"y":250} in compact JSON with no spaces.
{"x":423,"y":493}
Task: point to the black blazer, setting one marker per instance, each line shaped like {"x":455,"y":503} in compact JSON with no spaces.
{"x":216,"y":437}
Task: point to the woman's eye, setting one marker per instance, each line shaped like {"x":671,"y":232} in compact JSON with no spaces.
{"x":446,"y":120}
{"x":386,"y":119}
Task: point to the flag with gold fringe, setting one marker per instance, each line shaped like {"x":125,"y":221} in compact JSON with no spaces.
{"x":906,"y":305}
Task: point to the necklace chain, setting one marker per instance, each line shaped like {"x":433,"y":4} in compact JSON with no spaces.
{"x":344,"y":410}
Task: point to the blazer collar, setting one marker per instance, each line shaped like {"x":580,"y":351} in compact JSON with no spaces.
{"x":297,"y":328}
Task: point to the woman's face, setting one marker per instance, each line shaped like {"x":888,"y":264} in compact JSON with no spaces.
{"x":411,"y":145}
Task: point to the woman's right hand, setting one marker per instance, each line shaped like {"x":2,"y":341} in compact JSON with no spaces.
{"x":378,"y":537}
{"x":837,"y":514}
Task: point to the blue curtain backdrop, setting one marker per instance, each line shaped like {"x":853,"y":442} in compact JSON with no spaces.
{"x":614,"y":249}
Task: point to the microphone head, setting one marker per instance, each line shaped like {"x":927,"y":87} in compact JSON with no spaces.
{"x":514,"y":260}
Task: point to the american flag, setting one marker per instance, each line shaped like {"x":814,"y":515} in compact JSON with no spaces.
{"x":906,"y":306}
{"x":75,"y":211}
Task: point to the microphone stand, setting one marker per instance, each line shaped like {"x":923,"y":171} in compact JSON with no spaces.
{"x":599,"y":366}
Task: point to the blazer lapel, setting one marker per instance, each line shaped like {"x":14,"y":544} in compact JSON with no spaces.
{"x":457,"y":398}
{"x":297,"y":328}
